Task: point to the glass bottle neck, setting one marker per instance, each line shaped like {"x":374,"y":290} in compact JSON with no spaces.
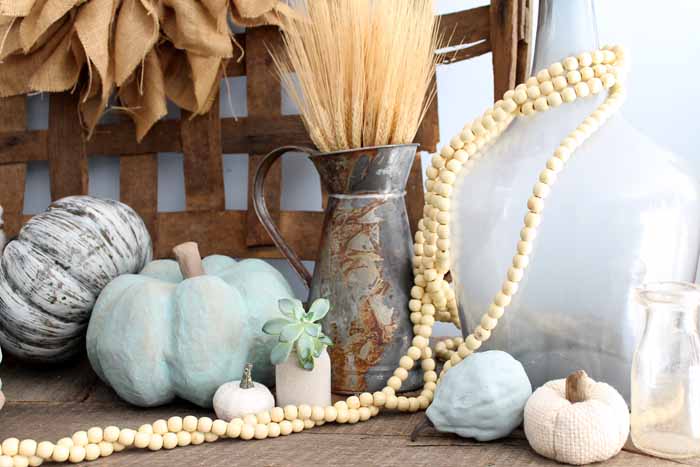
{"x":565,"y":27}
{"x":667,"y":319}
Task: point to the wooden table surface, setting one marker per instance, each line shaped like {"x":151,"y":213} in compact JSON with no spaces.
{"x":48,"y":404}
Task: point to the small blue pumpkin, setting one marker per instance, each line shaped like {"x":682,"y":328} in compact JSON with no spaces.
{"x":155,"y":336}
{"x":483,"y":397}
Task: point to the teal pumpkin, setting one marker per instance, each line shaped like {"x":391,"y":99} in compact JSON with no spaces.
{"x":155,"y":336}
{"x":483,"y":397}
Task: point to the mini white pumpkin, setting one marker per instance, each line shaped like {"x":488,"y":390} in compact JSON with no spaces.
{"x":239,"y":398}
{"x":577,"y":420}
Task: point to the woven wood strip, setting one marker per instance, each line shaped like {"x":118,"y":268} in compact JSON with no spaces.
{"x":13,"y":117}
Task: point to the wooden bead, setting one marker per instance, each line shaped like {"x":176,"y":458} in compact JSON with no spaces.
{"x":262,"y":417}
{"x":378,"y":399}
{"x":364,"y":413}
{"x":20,"y":461}
{"x":27,"y":448}
{"x":145,"y":428}
{"x":548,"y":176}
{"x":556,"y":69}
{"x":160,"y":427}
{"x":488,"y":322}
{"x":308,"y":423}
{"x":184,"y":438}
{"x":248,"y":432}
{"x":95,"y":435}
{"x":587,"y":73}
{"x":573,"y":77}
{"x":6,"y":461}
{"x":273,"y":430}
{"x":597,"y":56}
{"x":60,"y":454}
{"x":297,"y":425}
{"x":546,"y":88}
{"x":107,"y":448}
{"x":472,"y":343}
{"x":233,"y":430}
{"x":559,"y":83}
{"x":126,"y":437}
{"x":541,"y":104}
{"x":568,"y":95}
{"x":521,"y":261}
{"x":219,"y":427}
{"x":343,"y":416}
{"x":261,"y":431}
{"x":394,"y":382}
{"x":528,"y":108}
{"x":420,"y":342}
{"x":515,"y":274}
{"x":45,"y":450}
{"x":291,"y":412}
{"x":118,"y":447}
{"x":403,"y":404}
{"x":92,"y":452}
{"x":317,"y":414}
{"x":286,"y":427}
{"x":585,"y":59}
{"x":330,"y":414}
{"x":571,"y":63}
{"x":554,"y":99}
{"x":533,"y":92}
{"x":250,"y":419}
{"x":204,"y":424}
{"x":392,"y":402}
{"x":111,"y":434}
{"x":67,"y":442}
{"x":189,"y":423}
{"x":143,"y":438}
{"x":77,"y":454}
{"x":463,"y":351}
{"x":156,"y":443}
{"x":80,"y":438}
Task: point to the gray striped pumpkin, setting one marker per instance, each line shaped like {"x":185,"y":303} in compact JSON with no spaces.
{"x":51,"y":275}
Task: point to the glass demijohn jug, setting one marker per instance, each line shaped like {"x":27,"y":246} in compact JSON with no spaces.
{"x":666,"y":372}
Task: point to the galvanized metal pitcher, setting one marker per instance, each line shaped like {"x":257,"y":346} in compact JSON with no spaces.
{"x":364,"y":263}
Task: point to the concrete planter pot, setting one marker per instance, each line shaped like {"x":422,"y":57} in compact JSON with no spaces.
{"x":297,"y":386}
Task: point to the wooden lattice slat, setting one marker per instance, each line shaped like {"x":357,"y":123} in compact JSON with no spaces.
{"x":502,"y":28}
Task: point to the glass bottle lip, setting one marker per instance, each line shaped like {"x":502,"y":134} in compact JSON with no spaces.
{"x":669,"y":293}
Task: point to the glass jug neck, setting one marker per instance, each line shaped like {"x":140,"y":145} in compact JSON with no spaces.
{"x":670,"y":307}
{"x":565,"y":27}
{"x":666,"y":319}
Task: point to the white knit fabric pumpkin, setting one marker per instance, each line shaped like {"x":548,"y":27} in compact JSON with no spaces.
{"x":593,"y":428}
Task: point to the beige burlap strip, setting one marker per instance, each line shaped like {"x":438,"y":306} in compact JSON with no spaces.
{"x":218,"y":9}
{"x":42,"y":16}
{"x":17,"y":68}
{"x":61,"y":69}
{"x":136,"y":32}
{"x":206,"y":74}
{"x":275,"y":16}
{"x":93,"y":25}
{"x":16,"y":7}
{"x":189,"y":26}
{"x":144,"y":100}
{"x":9,"y":37}
{"x":254,"y":8}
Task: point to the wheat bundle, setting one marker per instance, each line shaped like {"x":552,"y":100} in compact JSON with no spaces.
{"x":364,"y":69}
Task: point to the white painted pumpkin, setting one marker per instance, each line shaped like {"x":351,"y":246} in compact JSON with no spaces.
{"x":577,"y":420}
{"x":51,"y":274}
{"x":239,"y":398}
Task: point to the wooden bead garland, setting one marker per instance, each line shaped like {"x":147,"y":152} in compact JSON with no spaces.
{"x":432,"y":297}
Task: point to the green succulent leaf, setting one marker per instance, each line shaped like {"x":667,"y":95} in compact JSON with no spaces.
{"x":305,"y":352}
{"x":288,"y":306}
{"x":324,"y":339}
{"x":291,"y":332}
{"x":319,"y":309}
{"x":318,"y":348}
{"x":274,"y":326}
{"x":280,"y":352}
{"x":312,"y":329}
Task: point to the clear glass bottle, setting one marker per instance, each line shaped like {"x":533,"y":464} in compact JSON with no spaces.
{"x":666,"y":372}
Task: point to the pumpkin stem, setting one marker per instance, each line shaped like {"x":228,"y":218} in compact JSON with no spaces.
{"x":576,"y":384}
{"x":189,"y":260}
{"x":247,"y":380}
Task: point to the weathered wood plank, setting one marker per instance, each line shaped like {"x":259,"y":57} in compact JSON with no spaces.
{"x":264,"y":101}
{"x":203,"y":164}
{"x":224,"y":232}
{"x":504,"y":43}
{"x":465,"y":27}
{"x":69,"y":382}
{"x":66,"y":148}
{"x":525,"y":13}
{"x":13,"y":117}
{"x":138,"y":187}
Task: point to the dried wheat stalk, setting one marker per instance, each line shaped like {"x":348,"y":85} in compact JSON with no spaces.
{"x":364,"y":69}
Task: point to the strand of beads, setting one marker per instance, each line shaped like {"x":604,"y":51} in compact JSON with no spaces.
{"x":431,"y":297}
{"x":573,"y":78}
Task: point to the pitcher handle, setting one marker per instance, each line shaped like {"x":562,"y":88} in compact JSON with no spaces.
{"x":264,"y":214}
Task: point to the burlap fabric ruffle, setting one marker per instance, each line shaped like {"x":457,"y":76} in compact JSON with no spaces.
{"x":142,"y":51}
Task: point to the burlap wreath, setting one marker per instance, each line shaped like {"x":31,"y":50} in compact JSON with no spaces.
{"x":145,"y":51}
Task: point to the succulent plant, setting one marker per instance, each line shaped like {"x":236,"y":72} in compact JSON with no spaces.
{"x":299,"y":330}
